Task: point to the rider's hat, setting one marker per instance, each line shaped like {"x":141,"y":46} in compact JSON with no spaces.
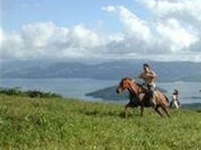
{"x":175,"y":91}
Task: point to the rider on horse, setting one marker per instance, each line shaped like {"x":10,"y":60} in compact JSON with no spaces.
{"x":175,"y":100}
{"x":149,"y":76}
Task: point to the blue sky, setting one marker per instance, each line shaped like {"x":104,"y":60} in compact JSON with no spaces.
{"x":62,"y":12}
{"x":163,"y":30}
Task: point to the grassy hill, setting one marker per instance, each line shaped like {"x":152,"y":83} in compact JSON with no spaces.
{"x":58,"y":123}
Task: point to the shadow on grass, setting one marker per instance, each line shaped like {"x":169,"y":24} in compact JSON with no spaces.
{"x":99,"y":113}
{"x":109,"y":113}
{"x":198,"y":111}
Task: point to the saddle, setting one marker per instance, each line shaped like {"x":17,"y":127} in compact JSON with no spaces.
{"x":148,"y":94}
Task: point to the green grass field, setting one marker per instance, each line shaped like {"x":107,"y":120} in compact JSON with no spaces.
{"x":61,"y":123}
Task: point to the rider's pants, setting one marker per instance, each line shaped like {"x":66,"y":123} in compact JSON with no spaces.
{"x":151,"y":89}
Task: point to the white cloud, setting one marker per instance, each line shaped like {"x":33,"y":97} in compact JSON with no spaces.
{"x":133,"y":25}
{"x":84,"y":38}
{"x":172,"y":29}
{"x":1,"y":37}
{"x":45,"y":40}
{"x":176,"y":35}
{"x":186,"y":11}
{"x":109,"y":8}
{"x":136,"y":32}
{"x":38,"y":35}
{"x":168,"y":30}
{"x":14,"y":46}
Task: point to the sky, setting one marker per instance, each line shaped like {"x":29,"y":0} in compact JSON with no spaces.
{"x":76,"y":30}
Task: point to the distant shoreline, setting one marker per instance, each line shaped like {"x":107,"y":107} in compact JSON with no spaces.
{"x":80,"y":88}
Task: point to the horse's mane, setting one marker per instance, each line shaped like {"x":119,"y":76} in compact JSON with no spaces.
{"x":138,"y":84}
{"x":127,"y":78}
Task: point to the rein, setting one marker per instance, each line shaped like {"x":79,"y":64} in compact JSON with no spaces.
{"x":139,"y":87}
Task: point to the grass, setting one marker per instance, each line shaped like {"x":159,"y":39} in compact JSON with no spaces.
{"x":62,"y":123}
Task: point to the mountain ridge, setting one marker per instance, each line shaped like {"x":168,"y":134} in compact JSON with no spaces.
{"x":166,"y":71}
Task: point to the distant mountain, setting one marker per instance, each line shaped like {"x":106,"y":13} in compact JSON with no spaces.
{"x":167,"y":71}
{"x":108,"y":94}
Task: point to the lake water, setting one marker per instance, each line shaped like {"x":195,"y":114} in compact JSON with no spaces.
{"x":77,"y":88}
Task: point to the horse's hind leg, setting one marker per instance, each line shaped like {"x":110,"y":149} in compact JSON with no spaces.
{"x":156,"y":109}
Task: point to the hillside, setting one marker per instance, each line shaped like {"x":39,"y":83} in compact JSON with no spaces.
{"x":167,"y":71}
{"x":57,"y":123}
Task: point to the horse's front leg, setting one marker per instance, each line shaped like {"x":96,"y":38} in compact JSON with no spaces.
{"x":125,"y":113}
{"x":142,"y":110}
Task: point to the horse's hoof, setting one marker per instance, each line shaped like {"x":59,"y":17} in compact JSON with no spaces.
{"x":123,"y":115}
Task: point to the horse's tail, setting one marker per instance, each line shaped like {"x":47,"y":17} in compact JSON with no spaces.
{"x":166,"y":98}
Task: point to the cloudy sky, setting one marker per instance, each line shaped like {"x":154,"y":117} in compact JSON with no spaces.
{"x":162,"y":30}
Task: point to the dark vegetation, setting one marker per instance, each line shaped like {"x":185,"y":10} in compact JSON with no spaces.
{"x":17,"y":91}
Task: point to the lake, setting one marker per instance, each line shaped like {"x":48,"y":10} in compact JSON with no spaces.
{"x":77,"y":88}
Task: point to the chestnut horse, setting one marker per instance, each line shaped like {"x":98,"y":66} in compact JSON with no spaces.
{"x":138,"y":97}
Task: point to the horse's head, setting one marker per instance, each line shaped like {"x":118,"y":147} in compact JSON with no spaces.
{"x":124,"y":84}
